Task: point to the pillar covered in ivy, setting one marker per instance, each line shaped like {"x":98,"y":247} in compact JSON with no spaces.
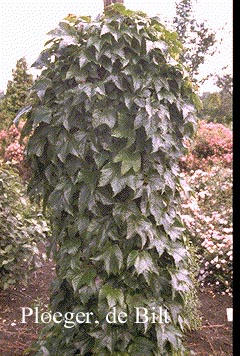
{"x":113,"y":110}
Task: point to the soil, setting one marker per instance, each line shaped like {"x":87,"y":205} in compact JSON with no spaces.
{"x":214,"y":338}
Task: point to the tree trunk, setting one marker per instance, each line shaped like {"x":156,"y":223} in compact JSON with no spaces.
{"x":110,"y":2}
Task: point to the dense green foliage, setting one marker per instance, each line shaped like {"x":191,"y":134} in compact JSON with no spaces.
{"x":21,"y":227}
{"x":113,"y":110}
{"x":16,"y":93}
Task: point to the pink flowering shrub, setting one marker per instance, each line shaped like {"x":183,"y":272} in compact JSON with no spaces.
{"x":14,"y":152}
{"x":11,"y":150}
{"x":208,"y":217}
{"x":212,"y":146}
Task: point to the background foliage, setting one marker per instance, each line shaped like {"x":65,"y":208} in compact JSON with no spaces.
{"x":21,"y":227}
{"x":217,"y":106}
{"x":197,"y":38}
{"x":16,"y":93}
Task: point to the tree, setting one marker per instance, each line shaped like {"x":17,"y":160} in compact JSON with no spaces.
{"x":225,"y":83}
{"x":107,"y":132}
{"x":217,"y":106}
{"x":1,"y":95}
{"x":197,"y":39}
{"x":16,"y":93}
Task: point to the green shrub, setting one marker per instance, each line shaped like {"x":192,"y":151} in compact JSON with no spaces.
{"x":5,"y":118}
{"x":208,"y":216}
{"x":112,"y":112}
{"x":218,"y":106}
{"x":20,"y":229}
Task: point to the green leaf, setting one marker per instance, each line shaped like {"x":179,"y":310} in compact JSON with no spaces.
{"x":36,"y":146}
{"x":112,"y":258}
{"x":40,"y":87}
{"x":43,"y":60}
{"x":86,"y":88}
{"x":166,"y":334}
{"x":196,"y":101}
{"x":124,"y":130}
{"x":107,"y":174}
{"x":180,"y":281}
{"x":116,"y":80}
{"x":100,"y":89}
{"x":178,"y":252}
{"x":86,"y":19}
{"x":83,"y":198}
{"x":100,"y":158}
{"x":105,"y":29}
{"x":141,"y":346}
{"x":137,"y":83}
{"x":118,"y":183}
{"x":59,"y":199}
{"x":144,"y":263}
{"x":157,"y":142}
{"x":42,"y":114}
{"x":139,"y":227}
{"x":104,"y":198}
{"x":73,"y":71}
{"x":94,"y":41}
{"x":67,"y":41}
{"x":63,"y":29}
{"x":156,"y":44}
{"x":157,"y":207}
{"x":83,"y":61}
{"x":113,"y":296}
{"x":132,"y":258}
{"x":107,"y":116}
{"x":129,"y":160}
{"x":84,"y":277}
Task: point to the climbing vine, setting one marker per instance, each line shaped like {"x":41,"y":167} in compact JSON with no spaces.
{"x":113,"y":112}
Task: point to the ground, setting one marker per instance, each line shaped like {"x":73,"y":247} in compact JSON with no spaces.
{"x":213,"y":339}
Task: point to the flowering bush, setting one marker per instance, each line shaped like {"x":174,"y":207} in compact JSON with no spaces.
{"x":12,"y":150}
{"x":212,"y":146}
{"x":207,"y":215}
